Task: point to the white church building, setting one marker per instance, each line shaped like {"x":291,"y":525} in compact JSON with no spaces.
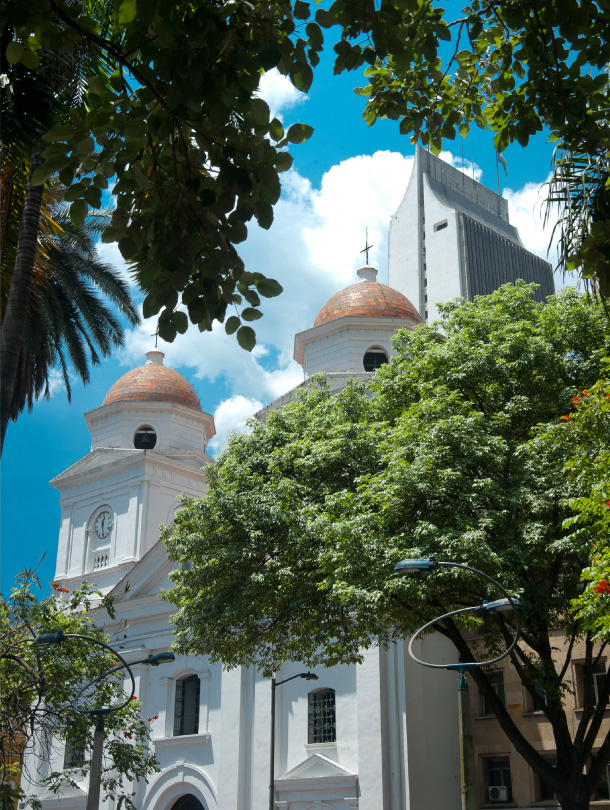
{"x":382,"y":735}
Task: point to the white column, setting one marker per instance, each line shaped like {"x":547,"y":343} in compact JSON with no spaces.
{"x":370,"y":762}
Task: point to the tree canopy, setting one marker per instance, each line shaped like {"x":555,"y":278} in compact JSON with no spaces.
{"x":178,"y":122}
{"x":291,"y":554}
{"x":37,"y":687}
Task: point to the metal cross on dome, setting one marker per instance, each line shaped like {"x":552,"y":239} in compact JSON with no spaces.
{"x":155,"y":334}
{"x":367,"y":247}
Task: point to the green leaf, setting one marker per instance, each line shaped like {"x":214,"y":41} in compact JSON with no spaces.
{"x":30,"y":59}
{"x":41,"y":174}
{"x":283,"y":161}
{"x":301,"y":75}
{"x":301,"y":10}
{"x":150,"y":306}
{"x":260,"y":110}
{"x":75,"y":192}
{"x":263,"y":211}
{"x":299,"y":133}
{"x":97,"y":85}
{"x":93,"y":195}
{"x":167,"y":331}
{"x":269,"y":287}
{"x":86,"y":146}
{"x":14,"y":52}
{"x":180,"y":321}
{"x":232,"y":325}
{"x":60,"y":132}
{"x":276,"y":129}
{"x":127,"y":11}
{"x":207,"y":197}
{"x":78,"y":212}
{"x":325,"y":18}
{"x":251,"y":314}
{"x":246,"y":337}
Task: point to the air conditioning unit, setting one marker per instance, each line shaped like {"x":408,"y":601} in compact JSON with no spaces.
{"x":498,"y":794}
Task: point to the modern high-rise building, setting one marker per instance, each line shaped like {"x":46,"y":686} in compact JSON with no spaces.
{"x":451,"y":237}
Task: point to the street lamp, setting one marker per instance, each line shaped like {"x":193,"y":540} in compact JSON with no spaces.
{"x":507,"y":603}
{"x":95,"y":773}
{"x":307,"y":676}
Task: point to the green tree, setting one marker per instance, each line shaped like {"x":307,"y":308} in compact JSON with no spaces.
{"x":37,"y":687}
{"x":32,"y":102}
{"x":179,"y":123}
{"x":291,"y":553}
{"x":586,"y":431}
{"x":580,"y":190}
{"x":197,"y":156}
{"x":66,"y":320}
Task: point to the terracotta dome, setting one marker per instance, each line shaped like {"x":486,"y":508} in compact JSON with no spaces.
{"x":153,"y":382}
{"x":369,"y":298}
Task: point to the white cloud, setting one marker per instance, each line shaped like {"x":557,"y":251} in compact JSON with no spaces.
{"x":56,"y":381}
{"x":359,"y":193}
{"x":279,"y":92}
{"x":231,"y":415}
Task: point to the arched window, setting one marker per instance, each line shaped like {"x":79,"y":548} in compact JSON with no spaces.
{"x":144,"y":438}
{"x":374,"y":358}
{"x":322,"y":725}
{"x":188,"y":802}
{"x":186,"y":706}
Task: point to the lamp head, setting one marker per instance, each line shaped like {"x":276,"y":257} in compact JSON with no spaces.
{"x":500,"y":606}
{"x":406,"y":566}
{"x":160,"y":658}
{"x":47,"y":639}
{"x":309,"y":676}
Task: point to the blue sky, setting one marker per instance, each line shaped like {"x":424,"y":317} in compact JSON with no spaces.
{"x":345,"y":178}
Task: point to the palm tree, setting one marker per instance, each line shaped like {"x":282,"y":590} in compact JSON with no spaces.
{"x":580,"y":188}
{"x":66,"y":322}
{"x":34,"y":100}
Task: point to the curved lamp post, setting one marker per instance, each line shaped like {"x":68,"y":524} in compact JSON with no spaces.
{"x":95,"y":774}
{"x":507,"y":603}
{"x":308,"y":676}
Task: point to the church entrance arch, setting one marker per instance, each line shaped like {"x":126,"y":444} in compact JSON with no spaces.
{"x":188,"y":802}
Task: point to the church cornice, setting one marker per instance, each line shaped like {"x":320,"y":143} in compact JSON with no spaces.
{"x":156,"y":408}
{"x":105,"y":460}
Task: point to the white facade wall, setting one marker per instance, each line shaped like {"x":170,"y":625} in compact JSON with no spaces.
{"x":339,"y":346}
{"x":442,"y":252}
{"x":176,"y":426}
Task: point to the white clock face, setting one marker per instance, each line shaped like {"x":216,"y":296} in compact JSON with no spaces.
{"x":103,"y":525}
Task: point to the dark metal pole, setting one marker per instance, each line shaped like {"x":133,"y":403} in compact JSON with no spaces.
{"x":95,"y":774}
{"x":272,"y":754}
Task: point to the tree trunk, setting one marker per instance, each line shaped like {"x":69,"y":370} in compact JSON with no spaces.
{"x":19,"y":291}
{"x":576,"y":797}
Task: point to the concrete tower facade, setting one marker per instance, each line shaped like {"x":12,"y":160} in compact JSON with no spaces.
{"x":451,"y":237}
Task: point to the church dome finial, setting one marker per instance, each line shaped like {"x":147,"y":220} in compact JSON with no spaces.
{"x":367,"y":273}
